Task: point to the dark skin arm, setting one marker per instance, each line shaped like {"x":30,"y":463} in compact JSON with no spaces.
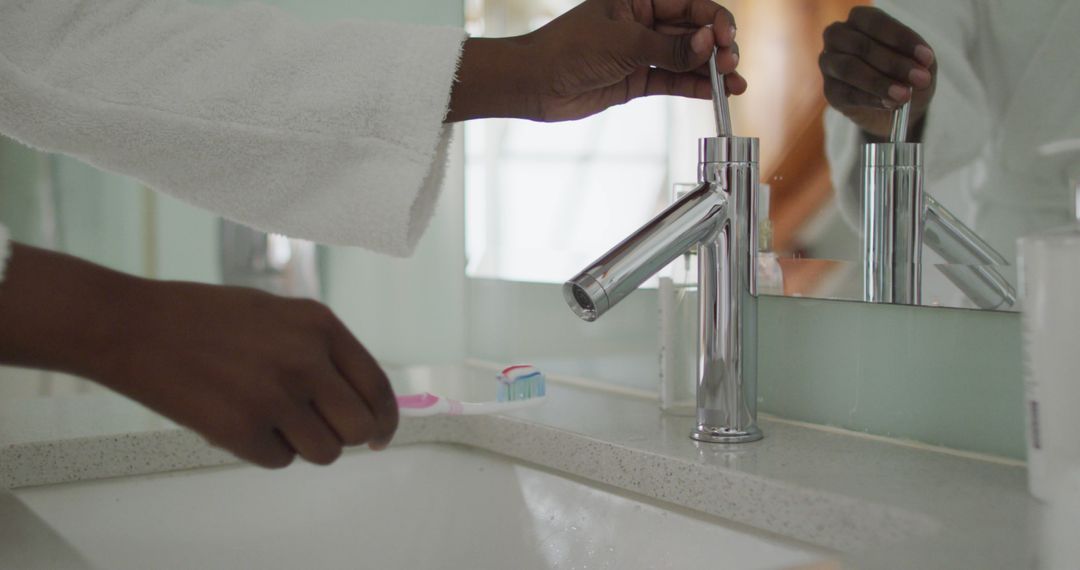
{"x":872,"y":64}
{"x":264,"y":377}
{"x":599,"y":54}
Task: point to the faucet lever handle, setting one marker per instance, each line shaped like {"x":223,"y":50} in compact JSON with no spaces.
{"x":900,"y":123}
{"x":719,"y":98}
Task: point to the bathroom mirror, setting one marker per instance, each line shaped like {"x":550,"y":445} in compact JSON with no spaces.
{"x":998,"y":141}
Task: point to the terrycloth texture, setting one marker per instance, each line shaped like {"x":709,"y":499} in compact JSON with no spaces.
{"x":330,"y":132}
{"x":5,"y":250}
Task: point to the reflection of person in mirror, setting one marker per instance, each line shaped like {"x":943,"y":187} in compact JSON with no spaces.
{"x":989,"y":85}
{"x":334,"y":132}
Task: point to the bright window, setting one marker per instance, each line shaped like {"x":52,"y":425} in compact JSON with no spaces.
{"x":544,"y":200}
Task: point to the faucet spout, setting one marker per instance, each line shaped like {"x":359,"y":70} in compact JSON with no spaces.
{"x":617,"y":273}
{"x":719,"y":216}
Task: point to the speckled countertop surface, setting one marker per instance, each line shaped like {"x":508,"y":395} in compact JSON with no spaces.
{"x":882,"y":504}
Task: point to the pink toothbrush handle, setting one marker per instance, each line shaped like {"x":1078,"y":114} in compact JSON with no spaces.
{"x":428,"y":400}
{"x":417,"y":401}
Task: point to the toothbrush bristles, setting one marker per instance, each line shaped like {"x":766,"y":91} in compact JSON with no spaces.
{"x":520,"y":383}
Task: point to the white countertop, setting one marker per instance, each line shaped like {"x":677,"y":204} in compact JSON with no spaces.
{"x":882,"y":504}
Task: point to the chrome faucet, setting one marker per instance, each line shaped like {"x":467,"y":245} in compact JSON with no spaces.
{"x":720,"y":217}
{"x":899,"y":217}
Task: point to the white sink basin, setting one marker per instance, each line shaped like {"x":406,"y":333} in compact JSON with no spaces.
{"x":418,"y":506}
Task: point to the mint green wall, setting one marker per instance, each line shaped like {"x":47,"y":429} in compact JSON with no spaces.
{"x":20,"y":172}
{"x":941,"y":376}
{"x":98,"y":215}
{"x":512,"y":322}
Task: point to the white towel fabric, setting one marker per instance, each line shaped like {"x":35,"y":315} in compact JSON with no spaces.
{"x":5,"y":250}
{"x":331,"y":132}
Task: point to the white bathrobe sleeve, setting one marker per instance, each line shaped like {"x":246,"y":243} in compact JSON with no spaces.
{"x":331,"y":132}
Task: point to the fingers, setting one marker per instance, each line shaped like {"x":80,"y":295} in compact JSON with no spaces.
{"x":649,"y":82}
{"x":856,"y":73}
{"x":313,"y":417}
{"x":369,"y":381}
{"x":344,"y":410}
{"x":842,"y":96}
{"x":697,"y":13}
{"x":887,"y":30}
{"x":681,"y":52}
{"x":308,"y":433}
{"x":880,"y":65}
{"x":684,"y":52}
{"x":268,"y":449}
{"x":734,"y":83}
{"x":874,"y":61}
{"x":663,"y":82}
{"x":845,"y":40}
{"x":258,"y":443}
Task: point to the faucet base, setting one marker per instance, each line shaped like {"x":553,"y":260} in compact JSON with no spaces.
{"x":710,"y":434}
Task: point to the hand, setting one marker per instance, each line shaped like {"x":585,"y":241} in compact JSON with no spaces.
{"x":872,"y":64}
{"x":599,"y":54}
{"x":264,"y":377}
{"x":260,"y":375}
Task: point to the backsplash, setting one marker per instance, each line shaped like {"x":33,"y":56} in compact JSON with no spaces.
{"x":947,"y":377}
{"x":944,"y":377}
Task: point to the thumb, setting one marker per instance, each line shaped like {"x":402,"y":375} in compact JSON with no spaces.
{"x":681,"y":52}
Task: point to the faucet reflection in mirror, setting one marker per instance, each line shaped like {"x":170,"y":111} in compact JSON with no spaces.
{"x":899,"y":218}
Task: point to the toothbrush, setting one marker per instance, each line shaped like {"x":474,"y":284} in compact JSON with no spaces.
{"x":519,"y":387}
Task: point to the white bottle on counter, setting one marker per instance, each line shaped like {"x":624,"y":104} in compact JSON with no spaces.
{"x":1060,"y":519}
{"x":770,"y":276}
{"x":1050,"y":287}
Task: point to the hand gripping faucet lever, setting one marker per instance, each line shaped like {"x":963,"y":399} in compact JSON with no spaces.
{"x":720,"y":217}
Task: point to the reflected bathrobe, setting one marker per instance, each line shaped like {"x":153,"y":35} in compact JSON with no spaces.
{"x":1007,"y":84}
{"x":330,"y":132}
